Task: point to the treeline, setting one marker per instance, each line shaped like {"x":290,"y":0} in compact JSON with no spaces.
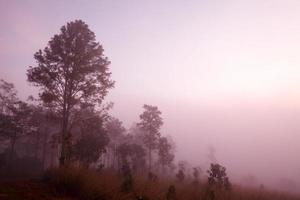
{"x":32,"y":131}
{"x":69,"y":123}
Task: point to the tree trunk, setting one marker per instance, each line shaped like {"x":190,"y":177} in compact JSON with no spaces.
{"x":37,"y":144}
{"x":149,"y":156}
{"x":64,"y":142}
{"x":12,"y":148}
{"x":45,"y":148}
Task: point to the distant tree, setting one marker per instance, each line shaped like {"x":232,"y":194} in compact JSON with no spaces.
{"x":182,"y":169}
{"x":127,"y":183}
{"x":150,"y":124}
{"x":137,"y":157}
{"x":89,"y":148}
{"x":8,"y":97}
{"x":124,"y":150}
{"x":171,"y":194}
{"x":8,"y":100}
{"x":218,"y":177}
{"x":183,"y":165}
{"x":115,"y":131}
{"x":165,"y":154}
{"x":114,"y":127}
{"x":92,"y":139}
{"x":17,"y":124}
{"x":132,"y":153}
{"x":180,"y":175}
{"x":196,"y":174}
{"x":71,"y":72}
{"x":15,"y":115}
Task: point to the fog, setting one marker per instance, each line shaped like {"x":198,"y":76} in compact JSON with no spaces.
{"x":226,"y":76}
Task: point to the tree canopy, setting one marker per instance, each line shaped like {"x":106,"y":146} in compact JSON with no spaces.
{"x":150,"y":124}
{"x":71,"y":72}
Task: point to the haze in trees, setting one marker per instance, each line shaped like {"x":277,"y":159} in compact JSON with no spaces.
{"x":219,"y":79}
{"x":150,"y":124}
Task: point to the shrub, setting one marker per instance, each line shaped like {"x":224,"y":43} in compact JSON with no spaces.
{"x":218,"y":177}
{"x":171,"y":194}
{"x":76,"y":182}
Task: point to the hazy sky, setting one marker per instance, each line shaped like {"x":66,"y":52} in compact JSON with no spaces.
{"x":224,"y":73}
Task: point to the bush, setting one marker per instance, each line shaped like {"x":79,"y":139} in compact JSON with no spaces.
{"x":87,"y":184}
{"x":14,"y":167}
{"x":76,"y":182}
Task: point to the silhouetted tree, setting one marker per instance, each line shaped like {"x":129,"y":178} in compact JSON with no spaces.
{"x":71,"y":72}
{"x":89,"y":148}
{"x":91,"y":139}
{"x":114,"y":127}
{"x":8,"y":97}
{"x":165,"y":154}
{"x":180,"y":175}
{"x":182,"y":168}
{"x":15,"y":116}
{"x":150,"y":124}
{"x":217,"y":176}
{"x":196,"y":174}
{"x":127,"y":184}
{"x":115,"y":131}
{"x":137,"y":157}
{"x":133,"y":154}
{"x":171,"y":194}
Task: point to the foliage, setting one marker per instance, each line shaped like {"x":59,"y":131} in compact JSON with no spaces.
{"x":166,"y":156}
{"x":180,"y":175}
{"x":16,"y":117}
{"x":88,"y":184}
{"x":196,"y":174}
{"x":114,"y":128}
{"x":217,"y":176}
{"x":71,"y":72}
{"x":89,"y":148}
{"x":127,"y":184}
{"x":132,"y":153}
{"x":171,"y":194}
{"x":8,"y":97}
{"x":150,"y":124}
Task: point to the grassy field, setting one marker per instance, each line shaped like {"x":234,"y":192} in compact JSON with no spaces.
{"x":79,"y":183}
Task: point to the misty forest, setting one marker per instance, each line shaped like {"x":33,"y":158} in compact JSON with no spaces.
{"x":62,"y":141}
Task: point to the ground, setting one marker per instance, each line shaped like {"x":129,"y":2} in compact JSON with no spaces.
{"x":28,"y":190}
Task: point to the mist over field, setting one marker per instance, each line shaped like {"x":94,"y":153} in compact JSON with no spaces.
{"x":225,"y":76}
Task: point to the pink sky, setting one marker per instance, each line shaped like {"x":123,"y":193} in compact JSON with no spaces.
{"x":223,"y":74}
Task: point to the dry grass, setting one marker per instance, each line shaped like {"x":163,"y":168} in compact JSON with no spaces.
{"x":92,"y":185}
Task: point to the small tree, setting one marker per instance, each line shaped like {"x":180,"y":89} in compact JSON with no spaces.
{"x":71,"y":72}
{"x":115,"y":131}
{"x":133,"y":154}
{"x":15,"y":115}
{"x":196,"y":174}
{"x":150,"y":124}
{"x":180,"y":175}
{"x":171,"y":194}
{"x":8,"y":97}
{"x":182,"y":168}
{"x":92,"y":138}
{"x":166,"y":156}
{"x":114,"y":128}
{"x":218,"y":177}
{"x":89,"y":148}
{"x":127,"y":184}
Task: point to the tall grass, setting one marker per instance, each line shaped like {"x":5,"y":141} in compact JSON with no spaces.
{"x":87,"y":184}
